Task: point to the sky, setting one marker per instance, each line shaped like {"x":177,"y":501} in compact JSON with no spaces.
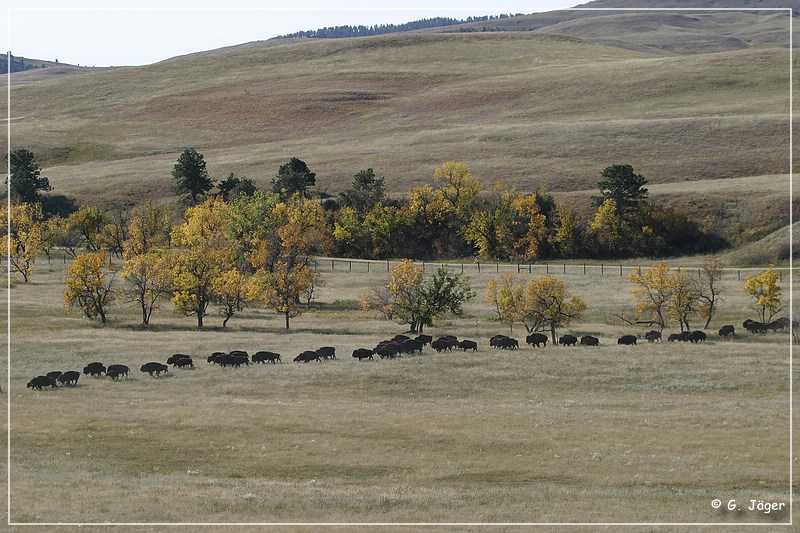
{"x":116,"y":33}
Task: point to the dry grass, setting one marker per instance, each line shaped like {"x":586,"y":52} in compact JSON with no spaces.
{"x":530,"y":108}
{"x":649,"y":433}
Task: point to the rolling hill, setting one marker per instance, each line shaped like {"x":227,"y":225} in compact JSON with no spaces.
{"x":554,"y":106}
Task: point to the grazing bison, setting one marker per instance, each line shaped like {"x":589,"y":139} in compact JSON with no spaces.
{"x":504,"y":342}
{"x":39,"y":382}
{"x":69,"y":377}
{"x":627,"y":340}
{"x":307,"y":356}
{"x":781,"y":324}
{"x":535,"y":339}
{"x":154,"y":367}
{"x":468,"y":345}
{"x":119,"y":370}
{"x":588,"y":340}
{"x":363,"y":353}
{"x":94,"y":369}
{"x":653,"y":336}
{"x":674,"y":337}
{"x":113,"y":374}
{"x":55,"y":374}
{"x":726,"y":330}
{"x":327,"y":352}
{"x":238,"y":360}
{"x":400,"y":338}
{"x":568,"y":340}
{"x":263,"y":357}
{"x":697,"y":336}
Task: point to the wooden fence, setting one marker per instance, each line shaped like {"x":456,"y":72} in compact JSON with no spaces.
{"x":330,"y":264}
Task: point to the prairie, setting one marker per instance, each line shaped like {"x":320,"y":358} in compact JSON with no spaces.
{"x":648,"y":434}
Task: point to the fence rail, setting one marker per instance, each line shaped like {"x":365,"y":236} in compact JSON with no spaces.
{"x":332,"y":264}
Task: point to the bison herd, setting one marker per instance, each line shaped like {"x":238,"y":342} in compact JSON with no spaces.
{"x":387,"y":349}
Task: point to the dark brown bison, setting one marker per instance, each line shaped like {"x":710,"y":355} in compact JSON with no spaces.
{"x":468,"y":345}
{"x":726,"y":330}
{"x":363,"y":353}
{"x":263,"y":357}
{"x":307,"y":356}
{"x":119,"y":370}
{"x":653,"y":336}
{"x":39,"y":382}
{"x":627,"y":340}
{"x":568,"y":340}
{"x":588,"y":340}
{"x":327,"y":352}
{"x":697,"y":336}
{"x":69,"y":377}
{"x":154,"y":367}
{"x":94,"y":369}
{"x":535,"y":339}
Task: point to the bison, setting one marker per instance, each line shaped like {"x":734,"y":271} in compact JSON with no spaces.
{"x":627,"y":340}
{"x":424,"y":339}
{"x":653,"y":336}
{"x":674,"y":337}
{"x":39,"y":382}
{"x":154,"y":367}
{"x":69,"y":377}
{"x":504,"y":342}
{"x":327,"y":352}
{"x":535,"y":339}
{"x":262,"y":357}
{"x":363,"y":353}
{"x":441,"y":345}
{"x":119,"y":370}
{"x":94,"y":369}
{"x":697,"y":336}
{"x":468,"y":345}
{"x":568,"y":340}
{"x":726,"y":330}
{"x":307,"y":356}
{"x":588,"y":340}
{"x":183,"y":362}
{"x":173,"y":358}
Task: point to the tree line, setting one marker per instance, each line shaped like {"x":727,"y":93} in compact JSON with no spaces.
{"x":236,"y":244}
{"x":337,"y":32}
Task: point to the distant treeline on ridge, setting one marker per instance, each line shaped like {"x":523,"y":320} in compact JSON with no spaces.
{"x":379,"y":29}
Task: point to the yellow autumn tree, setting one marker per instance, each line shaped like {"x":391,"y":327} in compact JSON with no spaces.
{"x":652,"y":291}
{"x":90,"y":285}
{"x":508,"y":298}
{"x":149,"y":281}
{"x":202,"y":250}
{"x":684,"y":298}
{"x":282,"y":287}
{"x":608,"y":228}
{"x":22,"y":241}
{"x":459,"y":188}
{"x":767,"y":293}
{"x":549,"y":304}
{"x":529,"y":227}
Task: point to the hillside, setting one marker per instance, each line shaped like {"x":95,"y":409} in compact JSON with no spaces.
{"x":528,"y":107}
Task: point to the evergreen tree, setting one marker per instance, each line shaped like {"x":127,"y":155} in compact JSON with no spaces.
{"x":190,"y":174}
{"x":621,"y":184}
{"x":293,"y":177}
{"x":25,"y":182}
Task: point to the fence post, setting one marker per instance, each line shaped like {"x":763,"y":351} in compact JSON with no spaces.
{"x":620,"y":271}
{"x":479,"y":267}
{"x":387,"y":265}
{"x":547,"y":268}
{"x":601,"y":269}
{"x":368,"y":262}
{"x":738,"y":274}
{"x":332,"y":265}
{"x":565,"y":268}
{"x":351,"y":265}
{"x":584,"y":269}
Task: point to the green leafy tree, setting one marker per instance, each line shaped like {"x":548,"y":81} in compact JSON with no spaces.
{"x":419,"y":303}
{"x":190,"y":174}
{"x":233,"y":186}
{"x":624,"y":186}
{"x":366,"y":191}
{"x":25,"y":181}
{"x":293,"y":177}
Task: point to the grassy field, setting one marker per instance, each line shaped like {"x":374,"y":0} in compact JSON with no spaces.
{"x":649,"y":433}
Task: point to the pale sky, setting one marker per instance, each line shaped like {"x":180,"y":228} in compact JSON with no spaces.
{"x":105,"y":33}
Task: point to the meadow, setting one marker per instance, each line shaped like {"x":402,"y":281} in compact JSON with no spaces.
{"x":647,"y":434}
